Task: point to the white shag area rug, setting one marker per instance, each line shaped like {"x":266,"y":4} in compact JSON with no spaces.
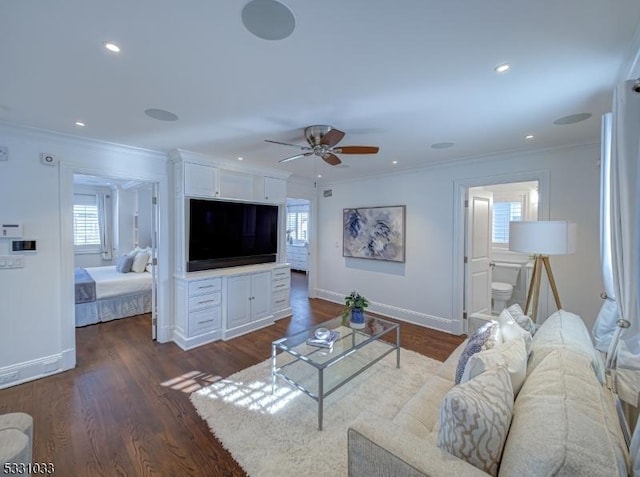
{"x":277,"y":435}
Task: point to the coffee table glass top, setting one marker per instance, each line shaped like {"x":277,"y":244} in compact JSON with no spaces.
{"x":349,"y":340}
{"x":317,"y":371}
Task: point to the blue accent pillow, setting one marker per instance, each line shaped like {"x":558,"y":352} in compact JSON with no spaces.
{"x":124,"y":264}
{"x":475,"y":344}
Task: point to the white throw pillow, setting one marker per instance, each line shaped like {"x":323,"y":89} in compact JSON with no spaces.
{"x":525,"y":322}
{"x":511,"y":330}
{"x":140,"y":262}
{"x":475,"y":419}
{"x":511,"y":355}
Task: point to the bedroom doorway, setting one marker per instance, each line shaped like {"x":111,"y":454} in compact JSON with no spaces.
{"x":115,"y":225}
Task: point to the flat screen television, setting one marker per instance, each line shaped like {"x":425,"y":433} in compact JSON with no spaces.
{"x":229,"y":234}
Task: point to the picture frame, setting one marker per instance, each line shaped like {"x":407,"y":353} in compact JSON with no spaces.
{"x":375,"y":233}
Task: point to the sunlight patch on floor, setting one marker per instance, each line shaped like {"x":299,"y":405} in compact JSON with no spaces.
{"x":255,"y":396}
{"x":191,"y":381}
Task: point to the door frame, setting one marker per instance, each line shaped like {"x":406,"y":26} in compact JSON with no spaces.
{"x":312,"y":230}
{"x":67,"y":300}
{"x":461,"y":189}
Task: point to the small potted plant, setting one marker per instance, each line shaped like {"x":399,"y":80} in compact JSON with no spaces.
{"x":353,"y":312}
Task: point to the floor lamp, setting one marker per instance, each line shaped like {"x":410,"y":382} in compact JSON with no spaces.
{"x":542,"y":238}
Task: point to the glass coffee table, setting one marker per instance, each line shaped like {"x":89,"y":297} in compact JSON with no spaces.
{"x":317,"y":371}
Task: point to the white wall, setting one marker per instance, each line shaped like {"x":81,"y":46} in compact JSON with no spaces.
{"x":422,"y":289}
{"x":37,"y":333}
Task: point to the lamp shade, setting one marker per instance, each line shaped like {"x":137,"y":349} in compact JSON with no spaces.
{"x":554,"y":237}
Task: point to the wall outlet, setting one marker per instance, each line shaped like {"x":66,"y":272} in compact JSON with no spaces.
{"x":5,"y":378}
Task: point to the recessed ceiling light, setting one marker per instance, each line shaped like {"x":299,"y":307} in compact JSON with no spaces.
{"x":319,"y":176}
{"x":529,"y":136}
{"x":442,"y":145}
{"x":572,"y":119}
{"x":80,"y":124}
{"x":109,"y":45}
{"x":503,"y":68}
{"x":394,"y":162}
{"x":160,"y":114}
{"x":240,"y":158}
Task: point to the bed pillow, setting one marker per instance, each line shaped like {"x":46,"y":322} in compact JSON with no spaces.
{"x":124,"y":264}
{"x":140,"y":262}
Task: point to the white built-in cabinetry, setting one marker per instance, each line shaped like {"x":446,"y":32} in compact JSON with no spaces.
{"x":297,"y":256}
{"x":248,"y":301}
{"x":226,"y":303}
{"x":223,"y":303}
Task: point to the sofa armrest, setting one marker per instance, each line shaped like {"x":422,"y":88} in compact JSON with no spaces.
{"x":378,"y":446}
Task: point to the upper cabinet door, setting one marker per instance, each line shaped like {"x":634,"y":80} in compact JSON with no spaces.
{"x":200,"y":180}
{"x":275,"y":190}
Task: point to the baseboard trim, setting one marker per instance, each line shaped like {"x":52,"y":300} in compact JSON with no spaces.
{"x":248,"y":328}
{"x":402,"y":314}
{"x":189,"y":343}
{"x":38,"y":368}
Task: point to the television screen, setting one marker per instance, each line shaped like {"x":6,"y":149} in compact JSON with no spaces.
{"x":225,"y":234}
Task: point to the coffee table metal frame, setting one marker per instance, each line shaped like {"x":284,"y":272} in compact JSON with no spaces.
{"x":295,"y":344}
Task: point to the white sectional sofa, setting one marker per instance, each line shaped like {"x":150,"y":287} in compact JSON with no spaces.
{"x":562,"y":422}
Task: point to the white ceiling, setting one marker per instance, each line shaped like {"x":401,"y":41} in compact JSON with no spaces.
{"x":401,"y":75}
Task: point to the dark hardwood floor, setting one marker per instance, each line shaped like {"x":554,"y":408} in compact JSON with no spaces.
{"x":125,"y":409}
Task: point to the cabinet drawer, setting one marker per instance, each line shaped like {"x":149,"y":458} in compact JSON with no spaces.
{"x":205,"y":301}
{"x":205,"y":286}
{"x":284,"y":284}
{"x":204,"y":320}
{"x":280,"y":273}
{"x":280,"y":300}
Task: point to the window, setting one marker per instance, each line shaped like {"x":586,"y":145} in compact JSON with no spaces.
{"x":503,"y":213}
{"x":297,"y":226}
{"x":86,"y":223}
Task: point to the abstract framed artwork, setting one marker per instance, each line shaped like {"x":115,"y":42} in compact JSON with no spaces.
{"x":376,"y":233}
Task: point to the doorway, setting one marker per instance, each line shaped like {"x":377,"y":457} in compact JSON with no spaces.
{"x":478,"y":246}
{"x":114,"y":242}
{"x":298,"y":243}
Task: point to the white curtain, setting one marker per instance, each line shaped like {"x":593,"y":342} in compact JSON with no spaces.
{"x":619,"y":325}
{"x":106,"y":229}
{"x":605,"y":324}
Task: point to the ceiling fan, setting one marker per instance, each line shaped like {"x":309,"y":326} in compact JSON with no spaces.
{"x":322,"y":143}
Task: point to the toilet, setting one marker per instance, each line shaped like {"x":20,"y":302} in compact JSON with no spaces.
{"x":504,"y":277}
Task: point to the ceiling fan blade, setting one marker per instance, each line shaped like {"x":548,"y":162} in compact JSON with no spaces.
{"x":297,"y":156}
{"x":332,"y":159}
{"x":356,"y":150}
{"x":333,"y":137}
{"x":287,"y":144}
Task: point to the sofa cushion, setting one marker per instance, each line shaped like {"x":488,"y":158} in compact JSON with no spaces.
{"x":525,"y":322}
{"x":511,"y":355}
{"x":475,"y":418}
{"x":447,"y":370}
{"x":566,"y":330}
{"x":485,"y":337}
{"x":510,"y":330}
{"x":420,"y":415}
{"x":564,"y":423}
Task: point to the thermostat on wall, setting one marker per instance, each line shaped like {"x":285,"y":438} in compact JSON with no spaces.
{"x":11,"y":231}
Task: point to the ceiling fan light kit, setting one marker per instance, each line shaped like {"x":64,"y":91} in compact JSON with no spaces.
{"x":322,"y":140}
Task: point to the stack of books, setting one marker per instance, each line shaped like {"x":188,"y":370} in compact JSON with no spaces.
{"x":326,"y":342}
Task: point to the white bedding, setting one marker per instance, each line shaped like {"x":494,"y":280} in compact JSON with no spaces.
{"x":111,"y":283}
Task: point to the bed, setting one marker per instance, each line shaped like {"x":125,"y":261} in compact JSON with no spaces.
{"x":104,"y":294}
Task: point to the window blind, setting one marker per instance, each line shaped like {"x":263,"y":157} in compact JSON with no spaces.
{"x":86,"y":223}
{"x":503,"y":213}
